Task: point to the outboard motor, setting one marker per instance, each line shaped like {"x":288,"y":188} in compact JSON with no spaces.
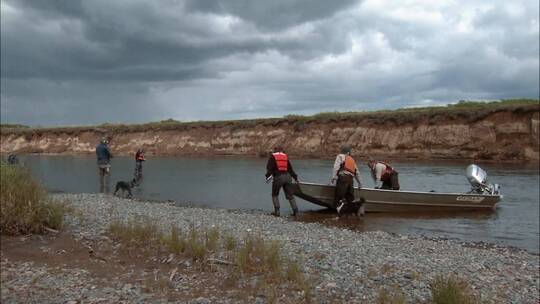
{"x":478,"y":180}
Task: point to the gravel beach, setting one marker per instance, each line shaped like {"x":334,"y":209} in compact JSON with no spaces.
{"x":346,"y":266}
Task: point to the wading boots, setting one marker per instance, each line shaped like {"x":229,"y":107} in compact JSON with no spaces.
{"x":275,"y":201}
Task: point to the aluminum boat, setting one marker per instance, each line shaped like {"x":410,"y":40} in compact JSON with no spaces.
{"x":482,"y":196}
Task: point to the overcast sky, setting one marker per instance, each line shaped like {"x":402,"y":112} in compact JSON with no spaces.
{"x":69,"y":62}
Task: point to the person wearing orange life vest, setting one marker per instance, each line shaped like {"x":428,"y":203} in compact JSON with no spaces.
{"x":384,"y":176}
{"x":279,"y":168}
{"x":344,"y":171}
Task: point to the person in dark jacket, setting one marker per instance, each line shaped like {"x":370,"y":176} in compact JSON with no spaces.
{"x":104,"y":156}
{"x":139,"y":158}
{"x":280,"y":170}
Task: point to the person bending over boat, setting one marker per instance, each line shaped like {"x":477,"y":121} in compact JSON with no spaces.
{"x":384,"y":176}
{"x":279,"y":168}
{"x":344,"y":171}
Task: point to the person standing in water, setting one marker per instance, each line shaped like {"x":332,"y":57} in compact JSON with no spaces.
{"x":139,"y":158}
{"x":104,"y":156}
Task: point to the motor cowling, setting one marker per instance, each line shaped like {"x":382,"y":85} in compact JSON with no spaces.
{"x":478,"y":180}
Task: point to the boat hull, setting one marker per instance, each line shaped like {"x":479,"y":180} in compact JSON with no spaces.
{"x":378,"y":200}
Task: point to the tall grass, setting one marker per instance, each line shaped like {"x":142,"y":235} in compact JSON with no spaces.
{"x":196,"y":245}
{"x":25,"y":205}
{"x":212,"y":239}
{"x":135,"y":233}
{"x":452,"y":290}
{"x":176,"y":243}
{"x":391,"y":296}
{"x":229,"y":242}
{"x":251,"y":257}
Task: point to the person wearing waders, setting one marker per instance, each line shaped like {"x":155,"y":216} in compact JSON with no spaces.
{"x":280,"y":170}
{"x":343,"y":172}
{"x":104,"y":164}
{"x":139,"y":158}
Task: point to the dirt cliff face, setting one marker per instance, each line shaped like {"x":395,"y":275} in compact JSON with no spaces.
{"x":510,"y":133}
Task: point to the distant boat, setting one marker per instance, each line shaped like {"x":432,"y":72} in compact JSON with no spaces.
{"x":483,"y":196}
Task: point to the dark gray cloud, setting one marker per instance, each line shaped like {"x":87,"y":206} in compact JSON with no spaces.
{"x":273,"y":15}
{"x":83,"y":62}
{"x":43,"y":102}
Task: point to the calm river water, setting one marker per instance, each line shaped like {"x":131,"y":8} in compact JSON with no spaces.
{"x":238,"y":183}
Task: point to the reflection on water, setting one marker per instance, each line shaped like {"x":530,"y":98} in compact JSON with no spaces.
{"x":239,"y":183}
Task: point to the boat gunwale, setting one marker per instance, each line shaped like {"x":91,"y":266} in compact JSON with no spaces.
{"x":500,"y":196}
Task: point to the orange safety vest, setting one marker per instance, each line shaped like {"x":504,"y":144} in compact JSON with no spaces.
{"x":281,"y":161}
{"x":349,"y":164}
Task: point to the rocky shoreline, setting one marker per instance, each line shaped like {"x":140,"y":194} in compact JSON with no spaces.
{"x":346,"y":266}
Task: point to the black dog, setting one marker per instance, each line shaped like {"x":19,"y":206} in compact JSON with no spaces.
{"x":356,"y":207}
{"x":125,"y":187}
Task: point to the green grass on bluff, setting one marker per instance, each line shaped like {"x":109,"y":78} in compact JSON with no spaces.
{"x":469,"y":110}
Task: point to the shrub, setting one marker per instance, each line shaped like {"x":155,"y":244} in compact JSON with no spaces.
{"x":196,"y":246}
{"x":176,"y":242}
{"x":135,"y":232}
{"x":25,"y":204}
{"x":273,"y":257}
{"x":212,"y":238}
{"x":251,"y":255}
{"x":390,"y":296}
{"x":243,"y":257}
{"x":451,"y":290}
{"x":294,"y":272}
{"x":307,"y":288}
{"x":271,"y":295}
{"x":229,"y":242}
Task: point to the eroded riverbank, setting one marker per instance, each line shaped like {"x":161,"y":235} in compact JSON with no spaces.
{"x":345,"y":266}
{"x":499,"y":131}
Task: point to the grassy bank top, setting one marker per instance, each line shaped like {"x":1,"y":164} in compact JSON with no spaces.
{"x":468,"y":110}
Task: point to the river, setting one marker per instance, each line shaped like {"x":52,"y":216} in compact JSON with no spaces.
{"x":238,"y":183}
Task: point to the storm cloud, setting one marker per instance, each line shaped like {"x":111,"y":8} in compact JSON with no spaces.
{"x":70,"y":62}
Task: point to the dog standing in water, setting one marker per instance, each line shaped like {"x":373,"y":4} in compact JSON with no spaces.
{"x":125,"y":187}
{"x":356,"y":207}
